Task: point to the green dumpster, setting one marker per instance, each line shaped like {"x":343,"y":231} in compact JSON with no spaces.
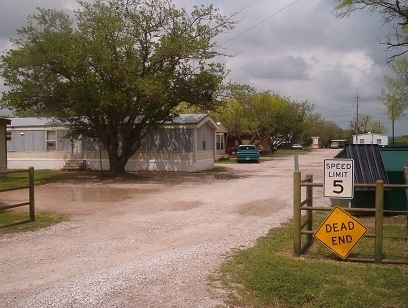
{"x":372,"y":163}
{"x":394,"y":159}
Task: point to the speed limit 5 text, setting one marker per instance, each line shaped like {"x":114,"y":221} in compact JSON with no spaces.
{"x":337,"y":174}
{"x":339,"y":170}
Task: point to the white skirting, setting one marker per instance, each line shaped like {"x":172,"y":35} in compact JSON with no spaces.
{"x":25,"y":163}
{"x":154,"y":165}
{"x":132,"y":165}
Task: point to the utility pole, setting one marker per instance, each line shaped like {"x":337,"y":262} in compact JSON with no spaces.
{"x":357,"y":120}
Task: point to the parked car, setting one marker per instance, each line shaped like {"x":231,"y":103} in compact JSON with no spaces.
{"x":334,"y":145}
{"x":297,"y":146}
{"x":231,"y":151}
{"x":247,"y":153}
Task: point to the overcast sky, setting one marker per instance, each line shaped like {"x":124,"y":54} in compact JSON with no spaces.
{"x":298,"y":49}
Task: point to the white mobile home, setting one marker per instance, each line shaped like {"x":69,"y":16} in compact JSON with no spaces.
{"x":220,"y":140}
{"x":186,"y":144}
{"x":370,"y":138}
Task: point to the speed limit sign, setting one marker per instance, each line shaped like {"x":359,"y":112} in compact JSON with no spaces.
{"x":338,"y":178}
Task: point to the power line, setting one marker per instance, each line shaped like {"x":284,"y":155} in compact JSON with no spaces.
{"x":338,"y":116}
{"x":362,"y":113}
{"x":335,"y":110}
{"x":257,"y":24}
{"x":367,"y":113}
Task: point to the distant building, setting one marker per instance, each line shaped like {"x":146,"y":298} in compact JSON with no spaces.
{"x":316,"y":142}
{"x":370,"y":138}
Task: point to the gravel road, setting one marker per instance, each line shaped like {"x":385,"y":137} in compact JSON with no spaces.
{"x":151,"y":242}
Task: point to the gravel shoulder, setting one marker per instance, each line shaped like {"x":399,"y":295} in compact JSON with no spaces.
{"x":147,"y":243}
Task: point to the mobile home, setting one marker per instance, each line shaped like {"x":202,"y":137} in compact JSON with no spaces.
{"x":186,"y":144}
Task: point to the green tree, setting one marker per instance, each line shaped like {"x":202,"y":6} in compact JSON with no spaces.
{"x":326,"y":130}
{"x":304,"y":119}
{"x":390,"y":10}
{"x":265,"y":116}
{"x":117,"y":69}
{"x":394,"y":96}
{"x":268,"y":112}
{"x":375,"y":126}
{"x":233,"y":114}
{"x":185,"y":107}
{"x":403,"y":140}
{"x":348,"y":135}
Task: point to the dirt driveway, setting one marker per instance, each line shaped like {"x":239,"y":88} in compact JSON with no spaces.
{"x":150,"y":242}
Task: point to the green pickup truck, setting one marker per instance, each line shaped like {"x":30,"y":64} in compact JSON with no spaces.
{"x":247,"y":153}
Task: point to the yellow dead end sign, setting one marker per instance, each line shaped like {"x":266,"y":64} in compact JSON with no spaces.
{"x":340,"y":232}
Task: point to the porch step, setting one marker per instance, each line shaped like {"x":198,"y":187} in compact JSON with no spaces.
{"x":75,"y":164}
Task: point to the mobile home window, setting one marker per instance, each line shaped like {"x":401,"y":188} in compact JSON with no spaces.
{"x":220,"y":142}
{"x":51,"y":140}
{"x":378,"y":141}
{"x":361,"y":141}
{"x":204,"y":136}
{"x":8,"y":135}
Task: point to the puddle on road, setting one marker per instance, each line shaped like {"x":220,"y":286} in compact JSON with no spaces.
{"x":100,"y":194}
{"x":225,"y":176}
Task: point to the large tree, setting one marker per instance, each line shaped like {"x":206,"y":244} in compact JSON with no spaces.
{"x":117,"y":69}
{"x":394,"y":96}
{"x":279,"y":119}
{"x":392,"y":11}
{"x":265,"y":116}
{"x":234,"y":113}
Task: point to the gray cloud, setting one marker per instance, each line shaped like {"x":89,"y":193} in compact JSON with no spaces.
{"x":287,"y":67}
{"x":303,"y":51}
{"x":13,"y":14}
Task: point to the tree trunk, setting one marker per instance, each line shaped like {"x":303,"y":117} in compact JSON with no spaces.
{"x":127,"y":145}
{"x":117,"y":166}
{"x":117,"y":162}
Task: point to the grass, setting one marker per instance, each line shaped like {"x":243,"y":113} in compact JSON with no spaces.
{"x":18,"y":221}
{"x":267,"y":275}
{"x":40,"y":177}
